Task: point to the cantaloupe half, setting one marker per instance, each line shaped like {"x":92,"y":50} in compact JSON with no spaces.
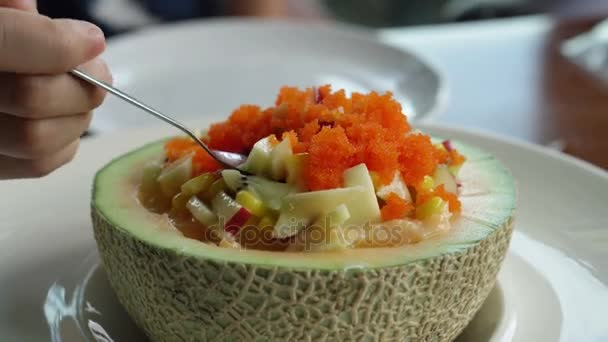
{"x":179,"y":289}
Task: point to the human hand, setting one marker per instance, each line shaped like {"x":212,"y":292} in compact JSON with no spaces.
{"x":44,"y":110}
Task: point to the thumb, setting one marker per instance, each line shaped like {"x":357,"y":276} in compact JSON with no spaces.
{"x":22,"y":5}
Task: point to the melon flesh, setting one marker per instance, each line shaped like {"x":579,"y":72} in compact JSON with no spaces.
{"x":179,"y":289}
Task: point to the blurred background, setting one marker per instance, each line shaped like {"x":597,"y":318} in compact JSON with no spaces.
{"x":531,"y":70}
{"x":117,"y":16}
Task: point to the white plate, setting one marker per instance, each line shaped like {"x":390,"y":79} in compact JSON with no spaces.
{"x":553,"y":285}
{"x":210,"y":67}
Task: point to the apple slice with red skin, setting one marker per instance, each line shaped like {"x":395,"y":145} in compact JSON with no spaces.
{"x":237,"y":221}
{"x":448,"y":145}
{"x":230,"y":212}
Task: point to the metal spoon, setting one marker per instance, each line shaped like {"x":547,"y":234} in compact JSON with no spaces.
{"x":227,"y":159}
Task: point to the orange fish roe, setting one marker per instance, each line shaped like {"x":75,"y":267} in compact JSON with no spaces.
{"x":272,"y":139}
{"x":456,"y":158}
{"x":296,"y":146}
{"x":178,"y":147}
{"x":337,"y":131}
{"x":449,"y":197}
{"x":395,"y":208}
{"x":416,"y":158}
{"x":330,"y":153}
{"x":244,"y":127}
{"x":201,"y":161}
{"x":442,"y":156}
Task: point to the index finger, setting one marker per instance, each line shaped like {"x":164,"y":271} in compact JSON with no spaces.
{"x":23,"y":5}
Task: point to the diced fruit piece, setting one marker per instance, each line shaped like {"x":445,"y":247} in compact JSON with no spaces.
{"x":216,"y":187}
{"x":253,"y":220}
{"x":269,"y":192}
{"x":150,"y":194}
{"x":358,"y":175}
{"x":387,"y":234}
{"x":259,"y":236}
{"x":395,"y":208}
{"x":258,"y":161}
{"x":174,"y":175}
{"x":456,"y":158}
{"x":454,"y":169}
{"x":325,"y":234}
{"x":149,"y":181}
{"x":251,"y":203}
{"x":198,"y":184}
{"x":427,"y":184}
{"x":438,"y":222}
{"x":334,"y":240}
{"x":278,"y":158}
{"x":432,"y":206}
{"x":229,"y":212}
{"x":375,"y":179}
{"x":295,"y":165}
{"x":237,"y":221}
{"x":179,"y":201}
{"x":448,"y":145}
{"x":335,"y":217}
{"x":267,"y":222}
{"x":333,"y":232}
{"x":201,"y":212}
{"x":396,"y":186}
{"x":440,"y":146}
{"x":224,"y":206}
{"x":454,"y":204}
{"x":234,"y":179}
{"x":229,"y":243}
{"x":442,"y":176}
{"x":289,"y":225}
{"x":367,"y":208}
{"x":300,"y":209}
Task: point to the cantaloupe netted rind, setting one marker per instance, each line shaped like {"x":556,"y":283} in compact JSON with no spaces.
{"x":178,"y":289}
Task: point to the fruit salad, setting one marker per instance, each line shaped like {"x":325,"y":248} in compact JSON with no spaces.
{"x":325,"y":172}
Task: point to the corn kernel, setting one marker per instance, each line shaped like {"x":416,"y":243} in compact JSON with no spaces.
{"x":427,"y":184}
{"x":251,"y":203}
{"x":433,"y":206}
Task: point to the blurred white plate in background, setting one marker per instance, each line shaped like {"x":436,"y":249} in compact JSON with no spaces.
{"x":210,"y":67}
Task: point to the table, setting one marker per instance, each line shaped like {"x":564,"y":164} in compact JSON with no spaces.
{"x":508,"y":77}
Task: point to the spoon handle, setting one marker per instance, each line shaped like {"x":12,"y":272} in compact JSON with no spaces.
{"x":146,"y":108}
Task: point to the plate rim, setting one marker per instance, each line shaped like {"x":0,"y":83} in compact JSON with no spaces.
{"x":350,"y":31}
